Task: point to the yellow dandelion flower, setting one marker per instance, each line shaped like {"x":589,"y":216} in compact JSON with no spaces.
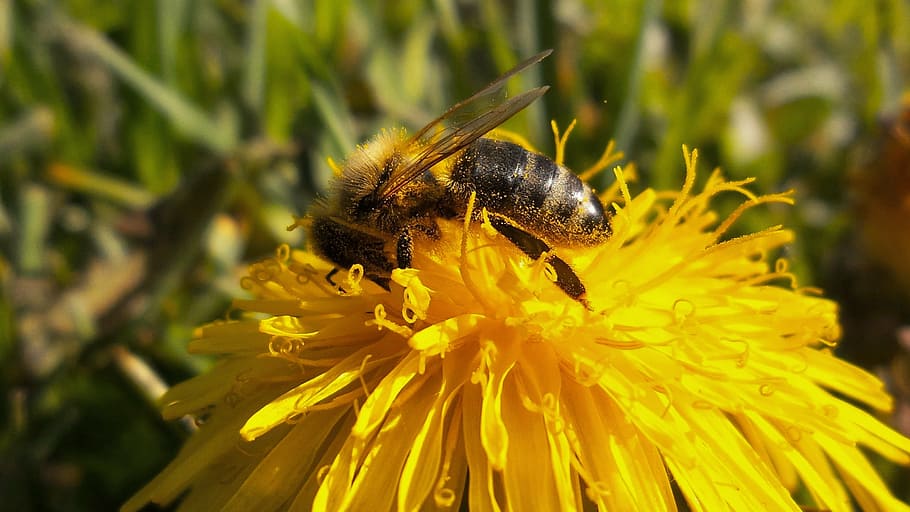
{"x":698,"y":369}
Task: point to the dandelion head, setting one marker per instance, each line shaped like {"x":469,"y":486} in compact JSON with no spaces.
{"x":697,"y":369}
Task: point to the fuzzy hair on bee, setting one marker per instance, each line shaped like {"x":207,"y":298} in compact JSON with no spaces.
{"x":363,"y":168}
{"x":393,"y":189}
{"x":358,"y":196}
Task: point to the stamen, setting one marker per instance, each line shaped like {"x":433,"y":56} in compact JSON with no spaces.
{"x":742,"y":358}
{"x":355,"y":276}
{"x":464,"y":267}
{"x":443,"y":496}
{"x":607,"y":158}
{"x":486,"y":225}
{"x":683,"y":311}
{"x":416,"y":301}
{"x":283,"y":253}
{"x":561,"y":141}
{"x":336,"y":169}
{"x":282,"y":346}
{"x":623,"y":186}
{"x":783,"y":197}
{"x":691,"y":157}
{"x":380,"y":321}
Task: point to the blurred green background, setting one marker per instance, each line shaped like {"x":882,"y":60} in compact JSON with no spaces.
{"x":149,"y":148}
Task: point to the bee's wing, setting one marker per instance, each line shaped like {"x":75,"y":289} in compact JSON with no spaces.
{"x":469,"y":120}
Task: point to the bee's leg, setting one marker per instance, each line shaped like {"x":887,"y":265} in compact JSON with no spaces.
{"x":566,"y":278}
{"x":328,"y":277}
{"x":345,"y":245}
{"x":338,"y":288}
{"x":404,"y":249}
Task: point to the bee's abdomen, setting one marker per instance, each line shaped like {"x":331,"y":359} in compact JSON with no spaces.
{"x":531,"y":190}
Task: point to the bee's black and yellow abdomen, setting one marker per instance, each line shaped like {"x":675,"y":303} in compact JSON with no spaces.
{"x":530,"y":189}
{"x":392,"y":191}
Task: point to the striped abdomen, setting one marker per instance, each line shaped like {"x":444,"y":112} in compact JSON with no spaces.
{"x":531,"y":190}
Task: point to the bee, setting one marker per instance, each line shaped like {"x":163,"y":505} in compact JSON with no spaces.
{"x":393,"y":190}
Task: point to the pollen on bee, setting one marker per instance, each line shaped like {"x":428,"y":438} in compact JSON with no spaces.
{"x":360,"y":169}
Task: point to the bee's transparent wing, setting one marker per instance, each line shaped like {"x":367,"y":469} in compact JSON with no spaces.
{"x":462,"y":124}
{"x":492,"y":94}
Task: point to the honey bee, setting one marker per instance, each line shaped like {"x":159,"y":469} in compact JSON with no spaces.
{"x":393,"y":189}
